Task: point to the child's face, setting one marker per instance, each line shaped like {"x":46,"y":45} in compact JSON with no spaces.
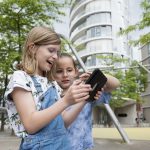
{"x":65,"y":72}
{"x":46,"y":55}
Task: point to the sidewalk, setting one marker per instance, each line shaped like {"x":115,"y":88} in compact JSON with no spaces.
{"x":113,"y":133}
{"x":115,"y":144}
{"x":8,"y":142}
{"x":110,"y":139}
{"x":104,"y":139}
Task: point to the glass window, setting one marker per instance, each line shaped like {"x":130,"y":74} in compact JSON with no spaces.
{"x":98,"y":5}
{"x":91,"y":60}
{"x":99,"y":31}
{"x":105,"y":30}
{"x":88,"y":33}
{"x":99,"y":18}
{"x":92,"y":32}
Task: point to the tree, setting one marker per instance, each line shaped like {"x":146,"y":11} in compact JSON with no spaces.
{"x":133,"y":79}
{"x":133,"y":83}
{"x":142,"y":24}
{"x":16,"y":19}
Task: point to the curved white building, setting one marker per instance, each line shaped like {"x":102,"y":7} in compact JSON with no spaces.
{"x":94,"y":27}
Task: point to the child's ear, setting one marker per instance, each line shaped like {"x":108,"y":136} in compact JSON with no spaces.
{"x":32,"y":48}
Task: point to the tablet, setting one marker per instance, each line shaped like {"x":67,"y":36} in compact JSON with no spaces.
{"x":97,"y":80}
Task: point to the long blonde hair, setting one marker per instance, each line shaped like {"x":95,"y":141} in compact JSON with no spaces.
{"x":36,"y":37}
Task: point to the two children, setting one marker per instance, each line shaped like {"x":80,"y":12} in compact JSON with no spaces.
{"x":35,"y":109}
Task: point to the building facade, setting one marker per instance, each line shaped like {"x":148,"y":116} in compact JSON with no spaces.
{"x":145,"y":51}
{"x":94,"y":27}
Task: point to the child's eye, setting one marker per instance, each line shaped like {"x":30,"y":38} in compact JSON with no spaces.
{"x":51,"y":50}
{"x":59,"y":71}
{"x":70,"y":70}
{"x":54,"y":51}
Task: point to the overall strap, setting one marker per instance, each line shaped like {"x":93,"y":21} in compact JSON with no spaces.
{"x":36,"y":84}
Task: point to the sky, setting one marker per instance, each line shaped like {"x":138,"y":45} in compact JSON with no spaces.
{"x":135,"y":15}
{"x":63,"y":28}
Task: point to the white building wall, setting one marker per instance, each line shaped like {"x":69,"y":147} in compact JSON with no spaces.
{"x":96,"y":25}
{"x":146,"y":112}
{"x":119,"y":21}
{"x":130,"y":111}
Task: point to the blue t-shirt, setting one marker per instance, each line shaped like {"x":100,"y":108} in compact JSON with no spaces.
{"x":80,"y":131}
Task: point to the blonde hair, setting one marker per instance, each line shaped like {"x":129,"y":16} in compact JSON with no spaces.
{"x":36,"y":37}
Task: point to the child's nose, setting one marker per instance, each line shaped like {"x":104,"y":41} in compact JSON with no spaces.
{"x":65,"y":73}
{"x":55,"y":56}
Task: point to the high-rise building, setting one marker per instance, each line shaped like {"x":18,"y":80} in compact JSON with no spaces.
{"x":145,"y":51}
{"x":94,"y":27}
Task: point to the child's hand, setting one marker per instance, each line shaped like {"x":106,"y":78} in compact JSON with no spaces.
{"x":84,"y":76}
{"x":77,"y":92}
{"x":98,"y":94}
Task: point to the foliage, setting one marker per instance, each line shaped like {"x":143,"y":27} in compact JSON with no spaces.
{"x":133,"y":79}
{"x":142,"y":24}
{"x":117,"y":94}
{"x":16,"y":19}
{"x":111,"y":59}
{"x":133,"y":83}
{"x":137,"y":80}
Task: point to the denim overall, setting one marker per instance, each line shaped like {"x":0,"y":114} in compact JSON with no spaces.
{"x":53,"y":136}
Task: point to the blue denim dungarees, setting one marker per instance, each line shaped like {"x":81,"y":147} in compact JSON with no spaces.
{"x":53,"y":136}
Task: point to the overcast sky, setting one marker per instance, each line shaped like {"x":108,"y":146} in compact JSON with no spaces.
{"x":63,"y":28}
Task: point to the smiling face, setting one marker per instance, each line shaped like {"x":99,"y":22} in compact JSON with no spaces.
{"x":46,"y":55}
{"x":40,"y":51}
{"x":65,"y":72}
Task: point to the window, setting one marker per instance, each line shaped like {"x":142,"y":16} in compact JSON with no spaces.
{"x":99,"y":18}
{"x":91,"y":61}
{"x":99,"y":31}
{"x":122,"y":115}
{"x":92,"y":32}
{"x":98,"y":5}
{"x":105,"y":30}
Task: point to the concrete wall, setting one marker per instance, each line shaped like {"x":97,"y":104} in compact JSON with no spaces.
{"x":145,"y":51}
{"x":146,"y":112}
{"x":130,"y":112}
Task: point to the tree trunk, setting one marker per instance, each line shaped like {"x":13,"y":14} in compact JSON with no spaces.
{"x":3,"y":105}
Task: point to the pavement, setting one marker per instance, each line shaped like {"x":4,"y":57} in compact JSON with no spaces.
{"x":8,"y":142}
{"x":104,"y":139}
{"x":115,"y":144}
{"x":132,"y":133}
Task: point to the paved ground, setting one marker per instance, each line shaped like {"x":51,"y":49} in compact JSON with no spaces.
{"x":108,"y":139}
{"x":115,"y":144}
{"x":8,"y":142}
{"x":113,"y":133}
